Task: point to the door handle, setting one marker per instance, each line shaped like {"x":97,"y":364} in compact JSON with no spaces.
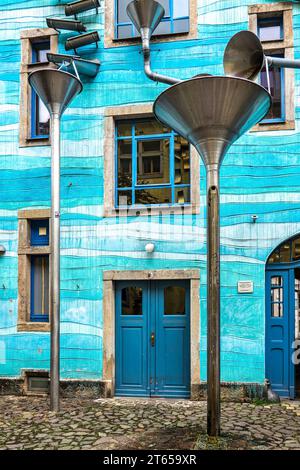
{"x":152,"y":339}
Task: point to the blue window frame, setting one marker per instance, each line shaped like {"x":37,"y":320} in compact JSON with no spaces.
{"x":277,"y":88}
{"x":176,"y":19}
{"x":270,"y":29}
{"x":39,"y":288}
{"x":40,"y":119}
{"x":39,"y":272}
{"x":152,"y":165}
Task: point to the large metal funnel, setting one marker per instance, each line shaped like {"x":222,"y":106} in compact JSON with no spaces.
{"x":55,"y":88}
{"x":243,"y":56}
{"x":145,"y":14}
{"x":212,"y":112}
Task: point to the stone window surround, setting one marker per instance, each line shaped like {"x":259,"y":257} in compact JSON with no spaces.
{"x":287,"y":44}
{"x":25,"y":91}
{"x":109,"y":279}
{"x":109,"y":28}
{"x":132,"y":112}
{"x":24,"y":251}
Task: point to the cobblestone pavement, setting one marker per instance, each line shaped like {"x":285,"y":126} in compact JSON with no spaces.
{"x":26,"y":423}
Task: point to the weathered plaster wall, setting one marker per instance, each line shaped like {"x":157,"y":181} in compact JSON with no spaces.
{"x":259,"y":176}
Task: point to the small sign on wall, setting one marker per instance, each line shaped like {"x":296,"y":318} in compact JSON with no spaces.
{"x":245,"y":287}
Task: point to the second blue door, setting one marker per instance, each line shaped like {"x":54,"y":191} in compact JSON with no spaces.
{"x":153,"y":339}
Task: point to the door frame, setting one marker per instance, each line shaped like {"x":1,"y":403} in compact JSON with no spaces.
{"x":109,"y":319}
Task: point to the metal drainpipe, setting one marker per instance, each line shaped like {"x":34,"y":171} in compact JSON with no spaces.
{"x":213,"y":302}
{"x":55,"y":261}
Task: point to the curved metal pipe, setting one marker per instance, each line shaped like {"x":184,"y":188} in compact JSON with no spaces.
{"x":156,"y":77}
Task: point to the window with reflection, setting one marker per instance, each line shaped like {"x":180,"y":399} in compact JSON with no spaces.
{"x":174,"y":300}
{"x":132,"y":301}
{"x":276,"y":296}
{"x":176,"y":19}
{"x":270,"y":28}
{"x":287,"y":252}
{"x":40,"y":118}
{"x":153,"y":164}
{"x":276,"y":77}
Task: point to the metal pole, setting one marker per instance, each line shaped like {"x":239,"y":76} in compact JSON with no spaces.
{"x":55,"y":261}
{"x":213,"y":302}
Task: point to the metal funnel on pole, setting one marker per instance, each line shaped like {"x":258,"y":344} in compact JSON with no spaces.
{"x":56,"y":89}
{"x":244,"y":57}
{"x":212,"y":113}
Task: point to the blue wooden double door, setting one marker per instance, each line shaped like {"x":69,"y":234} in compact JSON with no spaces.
{"x":282,"y":323}
{"x":153,"y":339}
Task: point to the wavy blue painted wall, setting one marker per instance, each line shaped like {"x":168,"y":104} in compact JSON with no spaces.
{"x":260,"y":175}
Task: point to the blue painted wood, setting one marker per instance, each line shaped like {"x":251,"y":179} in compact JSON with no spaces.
{"x":35,"y":238}
{"x":172,"y":352}
{"x":158,"y":368}
{"x":279,"y":368}
{"x":132,"y":345}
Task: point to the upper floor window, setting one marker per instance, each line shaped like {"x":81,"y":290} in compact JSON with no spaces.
{"x":176,"y":19}
{"x":153,"y":165}
{"x":40,"y":119}
{"x":270,"y":28}
{"x":273,"y":23}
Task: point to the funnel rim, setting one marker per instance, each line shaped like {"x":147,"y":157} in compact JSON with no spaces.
{"x":258,"y":44}
{"x":210,"y":77}
{"x":56,"y":71}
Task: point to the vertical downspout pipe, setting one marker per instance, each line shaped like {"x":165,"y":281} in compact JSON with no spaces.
{"x":213,"y":302}
{"x":55,"y":262}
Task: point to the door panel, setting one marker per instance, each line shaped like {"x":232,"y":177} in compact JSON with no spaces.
{"x":279,"y":305}
{"x":131,"y":339}
{"x":173,"y":339}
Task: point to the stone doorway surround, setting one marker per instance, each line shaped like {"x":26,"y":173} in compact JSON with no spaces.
{"x":109,"y":314}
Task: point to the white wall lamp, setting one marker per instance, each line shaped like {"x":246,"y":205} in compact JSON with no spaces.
{"x":150,"y":247}
{"x":2,"y":250}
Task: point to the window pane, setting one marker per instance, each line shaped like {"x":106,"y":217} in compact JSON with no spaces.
{"x":124,"y":198}
{"x":124,"y":163}
{"x":277,"y":295}
{"x":166,"y":5}
{"x":275,"y":257}
{"x":296,"y":249}
{"x":132,"y":301}
{"x":124,"y":32}
{"x":153,"y":196}
{"x":122,"y":15}
{"x":285,"y":253}
{"x":174,"y":300}
{"x":277,"y":310}
{"x":276,"y":111}
{"x":182,"y":196}
{"x":181,"y":26}
{"x":42,"y":55}
{"x":276,"y":281}
{"x":39,"y":51}
{"x":164,"y":27}
{"x":124,"y":129}
{"x":182,"y":161}
{"x":150,"y":127}
{"x":40,"y":288}
{"x":43,"y":119}
{"x":270,"y":29}
{"x":180,"y":8}
{"x":153,"y":161}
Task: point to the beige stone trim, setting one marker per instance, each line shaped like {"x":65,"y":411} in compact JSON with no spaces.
{"x":24,"y":252}
{"x":110,"y":41}
{"x":25,"y":92}
{"x":109,"y":278}
{"x":132,"y":112}
{"x":287,"y":46}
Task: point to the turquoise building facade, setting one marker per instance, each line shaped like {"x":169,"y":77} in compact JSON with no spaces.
{"x":259,"y":176}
